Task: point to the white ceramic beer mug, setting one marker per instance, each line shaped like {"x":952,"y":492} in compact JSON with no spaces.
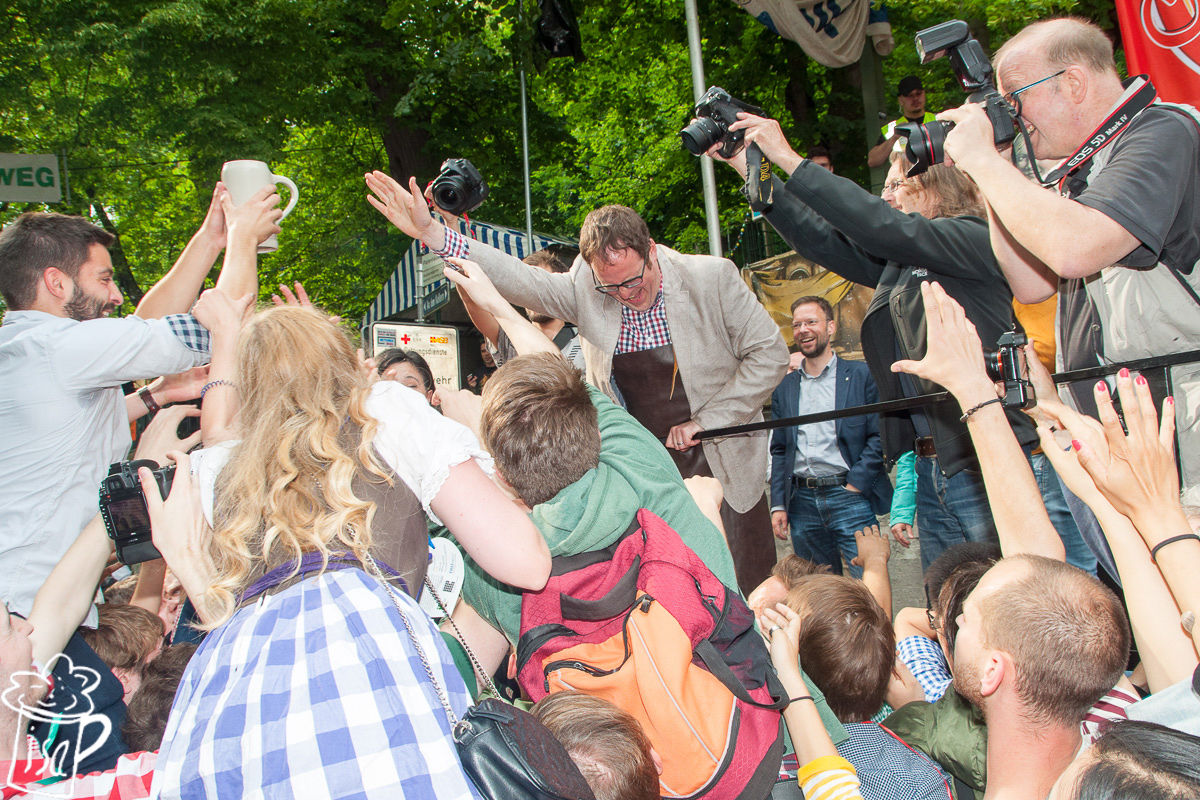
{"x":244,"y":178}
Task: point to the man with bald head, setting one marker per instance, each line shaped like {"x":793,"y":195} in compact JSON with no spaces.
{"x":1039,"y":643}
{"x":1118,"y":235}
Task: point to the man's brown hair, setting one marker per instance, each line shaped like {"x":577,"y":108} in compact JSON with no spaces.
{"x":607,"y":744}
{"x":121,"y":592}
{"x":816,"y":301}
{"x":36,"y":241}
{"x":125,"y":636}
{"x":540,"y":426}
{"x":846,"y":645}
{"x":150,"y":706}
{"x":610,"y":229}
{"x":1061,"y":42}
{"x":549,"y":259}
{"x":1066,"y":633}
{"x":791,"y":568}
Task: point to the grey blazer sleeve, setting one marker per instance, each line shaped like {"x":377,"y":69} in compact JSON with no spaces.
{"x":531,"y":287}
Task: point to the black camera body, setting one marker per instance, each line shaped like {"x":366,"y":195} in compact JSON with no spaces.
{"x":715,"y":112}
{"x":1007,"y":364}
{"x":459,"y":188}
{"x":926,"y":142}
{"x":123,"y":509}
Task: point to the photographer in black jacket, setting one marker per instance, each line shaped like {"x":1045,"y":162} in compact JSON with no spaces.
{"x":930,"y":227}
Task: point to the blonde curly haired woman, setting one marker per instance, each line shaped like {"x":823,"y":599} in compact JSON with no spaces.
{"x":308,"y":683}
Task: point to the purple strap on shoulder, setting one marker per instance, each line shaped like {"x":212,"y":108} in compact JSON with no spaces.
{"x":310,"y":563}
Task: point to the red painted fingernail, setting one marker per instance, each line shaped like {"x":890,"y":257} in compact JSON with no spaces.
{"x":1141,"y":380}
{"x":1124,"y":373}
{"x":1102,"y":386}
{"x":1171,"y":401}
{"x":1075,"y":443}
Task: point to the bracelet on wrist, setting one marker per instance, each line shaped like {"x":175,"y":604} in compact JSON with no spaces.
{"x":975,"y":408}
{"x":802,"y":697}
{"x":212,"y":384}
{"x":151,"y":404}
{"x":1181,"y":537}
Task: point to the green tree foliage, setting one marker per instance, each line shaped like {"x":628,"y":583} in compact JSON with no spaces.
{"x":146,"y":98}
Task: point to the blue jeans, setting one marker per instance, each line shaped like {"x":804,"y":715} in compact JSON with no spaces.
{"x":1078,"y":553}
{"x":823,"y":521}
{"x":950,"y":510}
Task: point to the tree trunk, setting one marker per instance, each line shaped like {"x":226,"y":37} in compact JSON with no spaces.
{"x":121,"y":271}
{"x":403,"y":144}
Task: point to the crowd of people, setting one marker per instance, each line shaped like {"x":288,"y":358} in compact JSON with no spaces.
{"x":620,"y":576}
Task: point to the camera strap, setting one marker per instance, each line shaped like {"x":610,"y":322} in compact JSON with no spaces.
{"x":1107,"y":131}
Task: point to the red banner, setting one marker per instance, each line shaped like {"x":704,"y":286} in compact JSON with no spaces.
{"x":1162,"y":39}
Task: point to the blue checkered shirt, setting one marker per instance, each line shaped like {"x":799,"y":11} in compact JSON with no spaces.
{"x":887,"y":767}
{"x":926,"y":661}
{"x":187,"y":329}
{"x":316,"y":691}
{"x":643,"y":330}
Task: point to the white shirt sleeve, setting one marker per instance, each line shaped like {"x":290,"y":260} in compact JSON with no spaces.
{"x":419,"y":443}
{"x":108,"y":352}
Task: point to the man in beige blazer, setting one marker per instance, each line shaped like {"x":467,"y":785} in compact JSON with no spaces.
{"x":679,"y":339}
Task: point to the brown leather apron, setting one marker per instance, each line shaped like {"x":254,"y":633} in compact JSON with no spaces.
{"x":654,"y":395}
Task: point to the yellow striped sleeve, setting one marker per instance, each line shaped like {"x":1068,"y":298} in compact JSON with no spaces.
{"x":829,"y":778}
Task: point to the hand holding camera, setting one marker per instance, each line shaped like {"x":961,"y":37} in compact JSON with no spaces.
{"x":926,"y":143}
{"x":714,"y":130}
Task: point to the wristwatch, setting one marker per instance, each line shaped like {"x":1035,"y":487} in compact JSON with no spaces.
{"x":148,"y":399}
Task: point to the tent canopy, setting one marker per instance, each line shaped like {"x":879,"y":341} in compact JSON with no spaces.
{"x":402,"y":290}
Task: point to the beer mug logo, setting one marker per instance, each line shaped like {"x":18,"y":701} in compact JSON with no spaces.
{"x":1171,"y":24}
{"x":24,"y":696}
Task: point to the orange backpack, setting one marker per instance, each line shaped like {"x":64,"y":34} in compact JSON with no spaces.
{"x":646,"y":625}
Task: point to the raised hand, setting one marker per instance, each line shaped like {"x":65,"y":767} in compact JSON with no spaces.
{"x":1138,"y":473}
{"x":406,"y":209}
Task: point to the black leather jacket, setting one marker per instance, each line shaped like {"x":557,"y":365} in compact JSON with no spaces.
{"x":847,"y":230}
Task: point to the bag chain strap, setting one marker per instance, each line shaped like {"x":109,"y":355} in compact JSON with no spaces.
{"x":479,"y":670}
{"x":413,"y":636}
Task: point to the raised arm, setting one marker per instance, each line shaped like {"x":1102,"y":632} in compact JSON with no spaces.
{"x":177,"y":290}
{"x":954,"y":359}
{"x":956,"y":246}
{"x":474,"y":285}
{"x":66,"y":596}
{"x":249,"y":225}
{"x":1033,"y":216}
{"x":220,"y":402}
{"x":499,"y":536}
{"x":823,"y":772}
{"x":1167,"y":652}
{"x":1137,"y":475}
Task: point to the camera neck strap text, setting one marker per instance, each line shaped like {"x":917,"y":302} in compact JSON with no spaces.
{"x":1107,"y":131}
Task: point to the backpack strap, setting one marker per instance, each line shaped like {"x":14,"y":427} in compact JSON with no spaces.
{"x":715,"y":662}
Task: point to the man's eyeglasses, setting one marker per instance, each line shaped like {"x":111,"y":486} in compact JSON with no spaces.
{"x":932,"y":619}
{"x":613,"y":288}
{"x":895,"y":186}
{"x":1014,"y":97}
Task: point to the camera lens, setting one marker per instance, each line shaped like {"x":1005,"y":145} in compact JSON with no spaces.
{"x":701,"y":134}
{"x":448,"y":193}
{"x":926,"y":144}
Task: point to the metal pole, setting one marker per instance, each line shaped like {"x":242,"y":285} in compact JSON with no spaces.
{"x":709,"y":178}
{"x":525,"y":156}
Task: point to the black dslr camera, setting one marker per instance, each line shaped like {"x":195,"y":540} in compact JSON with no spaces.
{"x":715,"y":112}
{"x":974,"y":72}
{"x":123,"y":508}
{"x":459,"y":188}
{"x":1007,"y":364}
